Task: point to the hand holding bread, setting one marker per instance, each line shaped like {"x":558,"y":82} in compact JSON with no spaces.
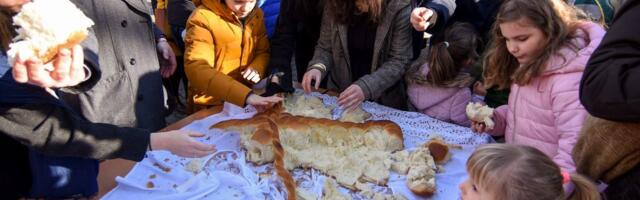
{"x":45,"y":51}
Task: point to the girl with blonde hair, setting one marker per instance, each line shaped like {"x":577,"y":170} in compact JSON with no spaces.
{"x":503,"y":171}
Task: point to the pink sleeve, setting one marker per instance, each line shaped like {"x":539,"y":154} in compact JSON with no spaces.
{"x":500,"y":120}
{"x":569,"y":116}
{"x":459,"y":108}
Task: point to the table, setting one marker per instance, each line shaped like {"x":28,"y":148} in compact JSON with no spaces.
{"x":110,"y":169}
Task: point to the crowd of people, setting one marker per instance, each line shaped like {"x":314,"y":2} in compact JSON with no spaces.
{"x":559,"y":73}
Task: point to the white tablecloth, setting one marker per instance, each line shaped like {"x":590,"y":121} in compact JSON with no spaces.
{"x":229,"y":176}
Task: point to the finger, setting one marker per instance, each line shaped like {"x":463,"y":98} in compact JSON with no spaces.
{"x":305,"y":84}
{"x":255,"y":79}
{"x":195,"y":134}
{"x":245,"y":74}
{"x":37,"y":74}
{"x":77,"y":70}
{"x":202,"y":147}
{"x":20,"y":73}
{"x":62,"y":65}
{"x":317,"y":86}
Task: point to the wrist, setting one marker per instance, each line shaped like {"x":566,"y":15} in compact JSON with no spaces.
{"x":156,"y":141}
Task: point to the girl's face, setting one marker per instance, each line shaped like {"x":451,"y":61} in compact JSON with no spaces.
{"x":12,"y":6}
{"x":241,"y":8}
{"x":524,"y":41}
{"x":470,"y":191}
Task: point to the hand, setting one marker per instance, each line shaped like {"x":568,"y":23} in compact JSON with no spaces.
{"x":478,"y":127}
{"x":263,"y":103}
{"x":251,"y":74}
{"x":422,"y":18}
{"x":65,"y":70}
{"x":311,"y":75}
{"x":181,"y":143}
{"x":351,"y":98}
{"x":167,"y":59}
{"x":478,"y":88}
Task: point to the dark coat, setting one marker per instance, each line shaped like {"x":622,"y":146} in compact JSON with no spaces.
{"x":297,"y":32}
{"x":609,"y":87}
{"x":391,"y":55}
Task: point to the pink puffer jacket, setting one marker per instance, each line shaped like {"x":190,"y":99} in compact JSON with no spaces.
{"x":546,"y":113}
{"x":444,"y":103}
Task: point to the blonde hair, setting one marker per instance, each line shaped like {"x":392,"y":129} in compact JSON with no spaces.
{"x":554,"y":18}
{"x":522,"y":172}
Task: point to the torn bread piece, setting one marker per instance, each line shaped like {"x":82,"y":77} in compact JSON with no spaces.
{"x":480,"y":113}
{"x":45,"y":27}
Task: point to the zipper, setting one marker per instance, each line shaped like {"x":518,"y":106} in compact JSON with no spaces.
{"x":515,"y":102}
{"x":242,"y":28}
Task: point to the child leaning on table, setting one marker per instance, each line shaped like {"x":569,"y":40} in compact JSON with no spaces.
{"x":226,"y":53}
{"x":539,"y":50}
{"x":438,"y":82}
{"x":504,"y":171}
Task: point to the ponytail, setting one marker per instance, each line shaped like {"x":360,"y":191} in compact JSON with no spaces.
{"x":442,"y":68}
{"x":585,"y":189}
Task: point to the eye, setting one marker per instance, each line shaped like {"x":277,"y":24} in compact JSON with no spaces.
{"x":522,"y":39}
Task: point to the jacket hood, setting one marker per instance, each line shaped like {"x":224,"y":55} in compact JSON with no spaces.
{"x":221,"y":9}
{"x":585,"y":39}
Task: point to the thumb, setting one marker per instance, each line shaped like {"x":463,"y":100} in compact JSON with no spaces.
{"x":196,"y":134}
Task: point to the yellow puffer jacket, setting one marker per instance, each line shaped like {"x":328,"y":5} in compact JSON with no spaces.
{"x":218,"y":48}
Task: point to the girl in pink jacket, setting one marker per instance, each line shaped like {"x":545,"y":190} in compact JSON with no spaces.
{"x":540,"y":50}
{"x":438,"y":81}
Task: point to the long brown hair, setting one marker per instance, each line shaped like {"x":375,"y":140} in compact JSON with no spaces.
{"x":343,"y":9}
{"x":522,"y":172}
{"x":554,"y":18}
{"x":6,"y":31}
{"x":447,"y":58}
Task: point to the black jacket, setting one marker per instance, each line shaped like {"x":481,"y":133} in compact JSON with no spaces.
{"x":297,"y":32}
{"x":610,"y":87}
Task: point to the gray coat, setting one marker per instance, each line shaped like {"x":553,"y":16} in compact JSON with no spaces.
{"x":391,"y":55}
{"x":126,"y":87}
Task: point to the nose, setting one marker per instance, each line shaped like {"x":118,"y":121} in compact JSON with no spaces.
{"x":513,"y":49}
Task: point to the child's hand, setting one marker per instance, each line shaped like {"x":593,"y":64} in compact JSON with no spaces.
{"x":251,"y":74}
{"x":478,"y":127}
{"x":263,"y":103}
{"x":422,"y":18}
{"x":478,"y":88}
{"x":311,"y":75}
{"x":65,"y":70}
{"x":181,"y":143}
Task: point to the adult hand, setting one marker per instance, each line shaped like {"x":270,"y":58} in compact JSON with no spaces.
{"x":251,"y":74}
{"x":351,"y":98}
{"x":311,"y":75}
{"x":65,"y":70}
{"x":263,"y":103}
{"x":181,"y":143}
{"x":478,"y":127}
{"x":167,"y":58}
{"x":421,"y":18}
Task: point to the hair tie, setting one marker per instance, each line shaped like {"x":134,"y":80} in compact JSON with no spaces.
{"x":446,"y":44}
{"x":566,"y":177}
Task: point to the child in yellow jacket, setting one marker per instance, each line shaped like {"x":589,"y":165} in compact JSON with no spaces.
{"x":227,"y":51}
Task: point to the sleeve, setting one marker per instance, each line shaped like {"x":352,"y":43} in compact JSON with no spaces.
{"x":323,"y":54}
{"x":569,"y":117}
{"x":53,"y":130}
{"x":199,"y":63}
{"x":500,"y":120}
{"x":459,"y":108}
{"x":261,"y":59}
{"x":444,"y":9}
{"x":397,"y":59}
{"x":609,"y":84}
{"x":283,"y":40}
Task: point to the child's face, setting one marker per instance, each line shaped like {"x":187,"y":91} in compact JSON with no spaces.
{"x":524,"y":41}
{"x":471,"y":192}
{"x":241,"y":8}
